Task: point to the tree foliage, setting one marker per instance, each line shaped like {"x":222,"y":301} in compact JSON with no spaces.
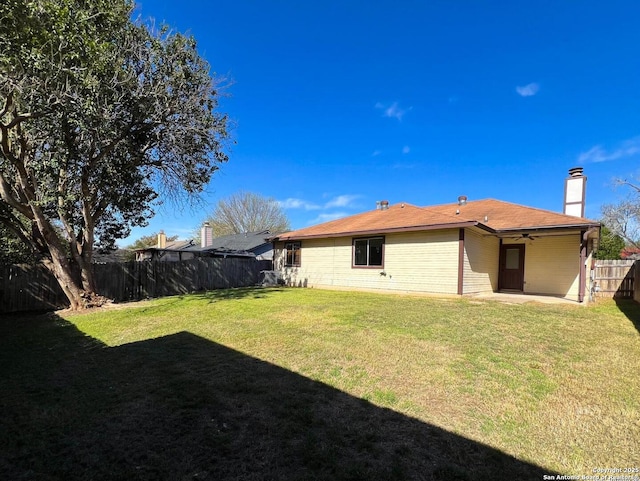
{"x":610,"y":246}
{"x":13,"y":250}
{"x":247,"y":212}
{"x":623,"y":218}
{"x":100,"y":118}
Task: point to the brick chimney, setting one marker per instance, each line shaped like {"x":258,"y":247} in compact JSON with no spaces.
{"x":574,"y":192}
{"x":206,"y":235}
{"x":162,"y":240}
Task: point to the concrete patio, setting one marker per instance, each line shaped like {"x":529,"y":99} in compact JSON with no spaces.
{"x":518,"y":298}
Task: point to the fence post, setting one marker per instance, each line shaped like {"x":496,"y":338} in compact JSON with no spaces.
{"x":636,"y":281}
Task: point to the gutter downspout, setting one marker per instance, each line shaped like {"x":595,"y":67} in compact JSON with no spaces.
{"x":582,"y":280}
{"x":461,"y":262}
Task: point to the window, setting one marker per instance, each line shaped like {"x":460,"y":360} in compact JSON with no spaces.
{"x":368,"y":252}
{"x":292,"y":254}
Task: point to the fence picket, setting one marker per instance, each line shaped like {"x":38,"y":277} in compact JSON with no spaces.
{"x":615,"y":278}
{"x":29,"y":288}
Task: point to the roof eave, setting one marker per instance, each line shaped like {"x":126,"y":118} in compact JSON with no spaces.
{"x":585,"y":226}
{"x":391,"y":230}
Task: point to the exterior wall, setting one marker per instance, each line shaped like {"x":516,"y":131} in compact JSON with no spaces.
{"x":428,"y":262}
{"x":481,"y":263}
{"x":264,"y":252}
{"x":413,"y":262}
{"x":552,"y":265}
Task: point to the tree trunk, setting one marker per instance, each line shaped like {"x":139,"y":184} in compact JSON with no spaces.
{"x":61,"y":269}
{"x":60,"y":266}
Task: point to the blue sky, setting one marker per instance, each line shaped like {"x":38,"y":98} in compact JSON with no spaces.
{"x":337,"y":104}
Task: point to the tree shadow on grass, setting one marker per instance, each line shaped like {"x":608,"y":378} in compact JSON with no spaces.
{"x":237,"y":293}
{"x":631,"y":309}
{"x":183,"y":408}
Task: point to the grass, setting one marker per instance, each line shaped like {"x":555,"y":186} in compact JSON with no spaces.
{"x":309,"y":384}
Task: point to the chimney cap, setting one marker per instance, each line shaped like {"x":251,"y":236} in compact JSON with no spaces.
{"x":462,"y":200}
{"x":576,"y":171}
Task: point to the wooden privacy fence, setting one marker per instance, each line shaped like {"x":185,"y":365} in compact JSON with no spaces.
{"x":615,"y":278}
{"x":26,"y":288}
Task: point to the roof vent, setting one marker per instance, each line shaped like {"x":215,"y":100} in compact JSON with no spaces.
{"x":384,"y":204}
{"x":575,"y":172}
{"x":462,"y":200}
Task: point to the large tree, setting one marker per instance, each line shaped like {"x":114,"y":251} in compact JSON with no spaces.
{"x":247,"y":212}
{"x":623,"y":217}
{"x":101,"y":117}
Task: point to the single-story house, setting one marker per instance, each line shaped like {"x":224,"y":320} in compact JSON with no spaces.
{"x":250,"y":244}
{"x":464,"y":248}
{"x":256,"y":243}
{"x":166,"y":251}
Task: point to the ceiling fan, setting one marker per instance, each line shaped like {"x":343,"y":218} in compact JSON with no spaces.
{"x":524,"y":236}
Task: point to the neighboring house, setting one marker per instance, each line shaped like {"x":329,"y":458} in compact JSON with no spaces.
{"x":256,"y":243}
{"x":167,"y":251}
{"x":461,"y":248}
{"x":250,"y":244}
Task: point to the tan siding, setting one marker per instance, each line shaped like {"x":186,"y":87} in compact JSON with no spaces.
{"x":423,"y":261}
{"x":481,"y":259}
{"x":552,"y":266}
{"x":413,"y":262}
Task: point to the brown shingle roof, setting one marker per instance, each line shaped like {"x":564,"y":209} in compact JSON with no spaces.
{"x":507,"y":216}
{"x":501,"y":216}
{"x":398,"y":217}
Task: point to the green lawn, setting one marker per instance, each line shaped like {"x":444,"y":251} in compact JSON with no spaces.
{"x":309,"y":384}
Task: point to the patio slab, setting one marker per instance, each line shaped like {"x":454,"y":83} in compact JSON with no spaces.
{"x":514,"y":298}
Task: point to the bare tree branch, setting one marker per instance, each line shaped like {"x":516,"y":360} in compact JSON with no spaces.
{"x":623,"y":218}
{"x":248,"y":212}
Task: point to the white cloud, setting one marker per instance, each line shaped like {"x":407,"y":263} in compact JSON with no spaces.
{"x":344,"y":202}
{"x":628,"y":148}
{"x":376,"y":153}
{"x":341,"y":201}
{"x":528,"y":90}
{"x":406,"y":149}
{"x":328,"y":217}
{"x":393,"y":110}
{"x":292,"y":203}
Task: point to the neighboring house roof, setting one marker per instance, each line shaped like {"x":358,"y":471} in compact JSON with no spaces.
{"x":230,"y":245}
{"x":247,"y":241}
{"x":501,"y":217}
{"x":178,"y":245}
